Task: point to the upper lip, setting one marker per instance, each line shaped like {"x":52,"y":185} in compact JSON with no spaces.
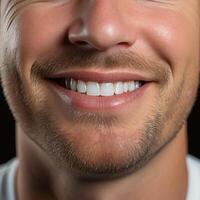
{"x":97,"y":76}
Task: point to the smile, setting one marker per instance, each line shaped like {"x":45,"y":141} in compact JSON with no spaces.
{"x":92,"y":88}
{"x":99,"y":91}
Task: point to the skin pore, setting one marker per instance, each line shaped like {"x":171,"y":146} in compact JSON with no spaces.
{"x":66,"y":153}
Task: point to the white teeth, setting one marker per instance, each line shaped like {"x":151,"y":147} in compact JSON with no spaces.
{"x":131,"y":86}
{"x":73,"y":84}
{"x":119,"y":88}
{"x":81,"y":87}
{"x":107,"y":89}
{"x":125,"y":87}
{"x":137,"y":84}
{"x":92,"y":88}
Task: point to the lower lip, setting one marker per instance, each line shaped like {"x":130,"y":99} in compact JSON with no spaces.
{"x":101,"y":103}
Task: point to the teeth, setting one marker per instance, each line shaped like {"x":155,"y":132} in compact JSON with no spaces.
{"x":102,"y":89}
{"x":93,"y":89}
{"x":131,"y":86}
{"x":119,"y":88}
{"x":125,"y":87}
{"x":107,"y":89}
{"x":81,"y":87}
{"x":137,"y":84}
{"x":73,"y":84}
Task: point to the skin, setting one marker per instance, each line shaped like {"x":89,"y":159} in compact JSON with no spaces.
{"x":138,"y":152}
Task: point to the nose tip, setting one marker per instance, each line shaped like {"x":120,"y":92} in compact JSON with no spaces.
{"x":101,"y":29}
{"x":98,"y":36}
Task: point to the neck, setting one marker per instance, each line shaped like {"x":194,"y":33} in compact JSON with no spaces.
{"x":38,"y":178}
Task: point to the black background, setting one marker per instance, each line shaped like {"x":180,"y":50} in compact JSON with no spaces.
{"x":7,"y":130}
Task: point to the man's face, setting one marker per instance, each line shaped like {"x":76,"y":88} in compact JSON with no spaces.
{"x":47,"y":42}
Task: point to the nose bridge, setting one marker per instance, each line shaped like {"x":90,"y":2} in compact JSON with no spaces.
{"x":100,"y":25}
{"x":102,"y":14}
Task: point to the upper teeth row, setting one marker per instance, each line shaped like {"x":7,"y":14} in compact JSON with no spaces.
{"x":101,"y":89}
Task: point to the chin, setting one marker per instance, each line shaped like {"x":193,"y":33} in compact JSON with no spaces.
{"x":102,"y":155}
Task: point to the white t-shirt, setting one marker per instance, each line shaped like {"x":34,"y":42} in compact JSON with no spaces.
{"x":8,"y":172}
{"x":193,"y":178}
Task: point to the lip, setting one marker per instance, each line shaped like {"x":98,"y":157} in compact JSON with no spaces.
{"x":97,"y":76}
{"x":101,"y":103}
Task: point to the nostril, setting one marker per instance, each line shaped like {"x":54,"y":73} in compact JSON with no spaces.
{"x":123,"y":44}
{"x":80,"y":43}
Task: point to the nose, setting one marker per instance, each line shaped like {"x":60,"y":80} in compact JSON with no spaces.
{"x":101,"y":25}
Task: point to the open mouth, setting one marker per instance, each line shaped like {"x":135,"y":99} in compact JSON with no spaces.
{"x":93,"y":88}
{"x":99,"y":91}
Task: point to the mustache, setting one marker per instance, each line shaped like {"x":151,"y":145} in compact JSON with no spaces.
{"x":77,"y":58}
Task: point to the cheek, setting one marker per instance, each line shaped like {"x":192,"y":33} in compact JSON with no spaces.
{"x":173,"y":36}
{"x":42,"y":29}
{"x":176,"y":39}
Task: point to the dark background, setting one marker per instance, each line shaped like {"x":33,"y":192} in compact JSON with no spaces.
{"x":7,"y":130}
